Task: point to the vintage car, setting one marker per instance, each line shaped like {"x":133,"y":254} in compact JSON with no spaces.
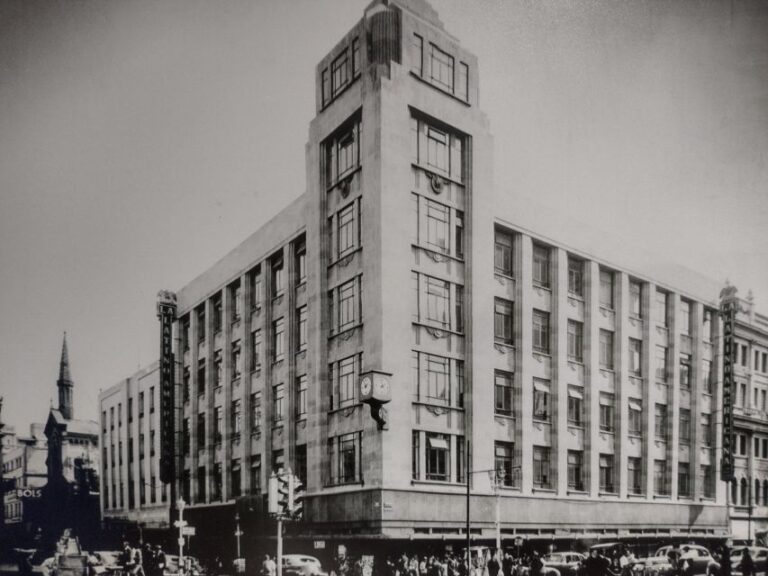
{"x":302,"y":565}
{"x":566,"y":563}
{"x":660,"y":564}
{"x":759,"y":557}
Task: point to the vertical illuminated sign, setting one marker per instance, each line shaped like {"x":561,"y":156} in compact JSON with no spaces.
{"x":728,"y":307}
{"x":166,"y":312}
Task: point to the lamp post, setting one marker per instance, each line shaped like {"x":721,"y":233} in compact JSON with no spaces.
{"x":180,"y":524}
{"x":238,"y":532}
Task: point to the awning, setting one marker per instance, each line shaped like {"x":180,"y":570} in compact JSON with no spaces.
{"x":574,"y":393}
{"x":439,"y":443}
{"x":540,"y":386}
{"x":635,"y":405}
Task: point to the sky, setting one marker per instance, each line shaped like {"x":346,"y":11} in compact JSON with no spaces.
{"x":142,"y":140}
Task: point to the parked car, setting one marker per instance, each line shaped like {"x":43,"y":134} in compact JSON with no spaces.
{"x":105,"y":562}
{"x":172,"y":565}
{"x":759,"y":556}
{"x":566,"y":563}
{"x":659,"y":564}
{"x":302,"y":565}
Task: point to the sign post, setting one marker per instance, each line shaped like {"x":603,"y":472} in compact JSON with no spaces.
{"x":181,"y":524}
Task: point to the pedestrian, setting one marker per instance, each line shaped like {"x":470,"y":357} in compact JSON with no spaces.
{"x":493,"y":565}
{"x":536,"y":565}
{"x":160,"y":560}
{"x":268,"y":566}
{"x":595,"y":565}
{"x":507,"y":564}
{"x":747,"y":563}
{"x":138,"y":562}
{"x":126,"y":556}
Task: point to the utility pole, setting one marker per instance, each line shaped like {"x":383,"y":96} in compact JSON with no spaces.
{"x":180,"y":524}
{"x":468,"y":472}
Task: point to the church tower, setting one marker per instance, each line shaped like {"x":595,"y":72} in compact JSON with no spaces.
{"x":65,"y":384}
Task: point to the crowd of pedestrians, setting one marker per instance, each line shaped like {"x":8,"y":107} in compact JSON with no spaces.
{"x":143,"y":560}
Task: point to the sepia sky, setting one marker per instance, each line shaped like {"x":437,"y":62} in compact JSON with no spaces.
{"x":142,"y":140}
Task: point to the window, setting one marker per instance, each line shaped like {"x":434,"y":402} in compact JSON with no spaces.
{"x":217,"y":369}
{"x":438,"y":378}
{"x":541,"y":467}
{"x":458,"y":234}
{"x":541,"y":400}
{"x":661,"y":308}
{"x":218,"y":418}
{"x":235,"y":478}
{"x":236,"y":416}
{"x":355,"y":62}
{"x":217,"y":313}
{"x":342,"y":152}
{"x":438,"y":299}
{"x":685,"y":426}
{"x":235,"y":294}
{"x":346,"y":373}
{"x":437,"y":149}
{"x":186,"y":384}
{"x":635,"y":299}
{"x":347,"y":230}
{"x":201,"y":323}
{"x":301,"y":329}
{"x":200,"y":484}
{"x":503,"y":393}
{"x":635,"y":357}
{"x":502,"y":255}
{"x":575,"y":470}
{"x":660,"y":484}
{"x":606,"y":473}
{"x":575,"y":341}
{"x":575,"y":406}
{"x":634,"y":475}
{"x":344,"y":459}
{"x":607,"y":412}
{"x":706,"y":430}
{"x":201,"y":431}
{"x":141,"y":409}
{"x":540,"y":265}
{"x":660,"y":420}
{"x":504,"y":454}
{"x":502,"y":322}
{"x":301,"y":261}
{"x":661,"y":363}
{"x":437,"y":226}
{"x":278,"y":338}
{"x":301,"y":396}
{"x":301,"y":463}
{"x":575,"y":277}
{"x":278,"y":393}
{"x":438,"y":457}
{"x":417,"y":55}
{"x":255,"y":412}
{"x":256,"y":474}
{"x":459,"y":309}
{"x":256,"y":351}
{"x":685,"y":371}
{"x":236,"y":366}
{"x":635,"y":422}
{"x":217,"y":482}
{"x":441,"y":66}
{"x":185,"y":436}
{"x":462,"y":82}
{"x":438,"y":157}
{"x":339,"y":73}
{"x":606,"y":349}
{"x":278,"y":280}
{"x":256,"y":288}
{"x":606,"y":289}
{"x":685,"y":317}
{"x":541,"y":332}
{"x":706,"y":328}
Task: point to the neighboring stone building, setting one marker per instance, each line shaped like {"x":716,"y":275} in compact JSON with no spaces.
{"x":131,"y":491}
{"x":749,"y":493}
{"x":70,"y":498}
{"x":25,"y":468}
{"x":592,"y":387}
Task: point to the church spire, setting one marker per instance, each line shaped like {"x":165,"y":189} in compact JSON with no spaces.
{"x":65,"y":383}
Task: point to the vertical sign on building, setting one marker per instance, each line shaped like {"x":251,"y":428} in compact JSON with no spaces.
{"x":729,"y":305}
{"x":166,"y":312}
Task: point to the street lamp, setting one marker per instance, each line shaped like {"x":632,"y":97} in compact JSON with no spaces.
{"x":238,"y":532}
{"x":180,"y":524}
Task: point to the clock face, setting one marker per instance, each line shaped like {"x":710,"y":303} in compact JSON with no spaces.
{"x":382,"y":385}
{"x":365,"y":385}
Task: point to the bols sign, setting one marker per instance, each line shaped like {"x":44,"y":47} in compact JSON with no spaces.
{"x":166,"y":312}
{"x":729,"y":305}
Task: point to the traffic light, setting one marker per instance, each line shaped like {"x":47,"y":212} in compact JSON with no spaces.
{"x":272,"y":506}
{"x":297,"y":502}
{"x":284,"y":493}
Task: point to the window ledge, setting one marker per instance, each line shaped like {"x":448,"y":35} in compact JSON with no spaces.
{"x":346,"y":332}
{"x":436,"y":255}
{"x":439,"y":88}
{"x":608,"y":493}
{"x":347,"y":407}
{"x":574,"y":296}
{"x":345,"y":255}
{"x":427,"y":326}
{"x":544,"y":490}
{"x":498,"y":274}
{"x":636,"y":495}
{"x":662,"y":497}
{"x":415,"y":482}
{"x":539,"y":286}
{"x":256,"y":371}
{"x":577,"y":492}
{"x":505,"y":416}
{"x":575,"y":426}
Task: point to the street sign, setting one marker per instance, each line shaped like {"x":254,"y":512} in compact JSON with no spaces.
{"x":188,"y":530}
{"x":180,"y":523}
{"x":319,"y":544}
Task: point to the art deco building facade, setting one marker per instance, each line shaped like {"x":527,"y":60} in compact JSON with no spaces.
{"x":131,"y":491}
{"x":749,"y":492}
{"x":593,"y":389}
